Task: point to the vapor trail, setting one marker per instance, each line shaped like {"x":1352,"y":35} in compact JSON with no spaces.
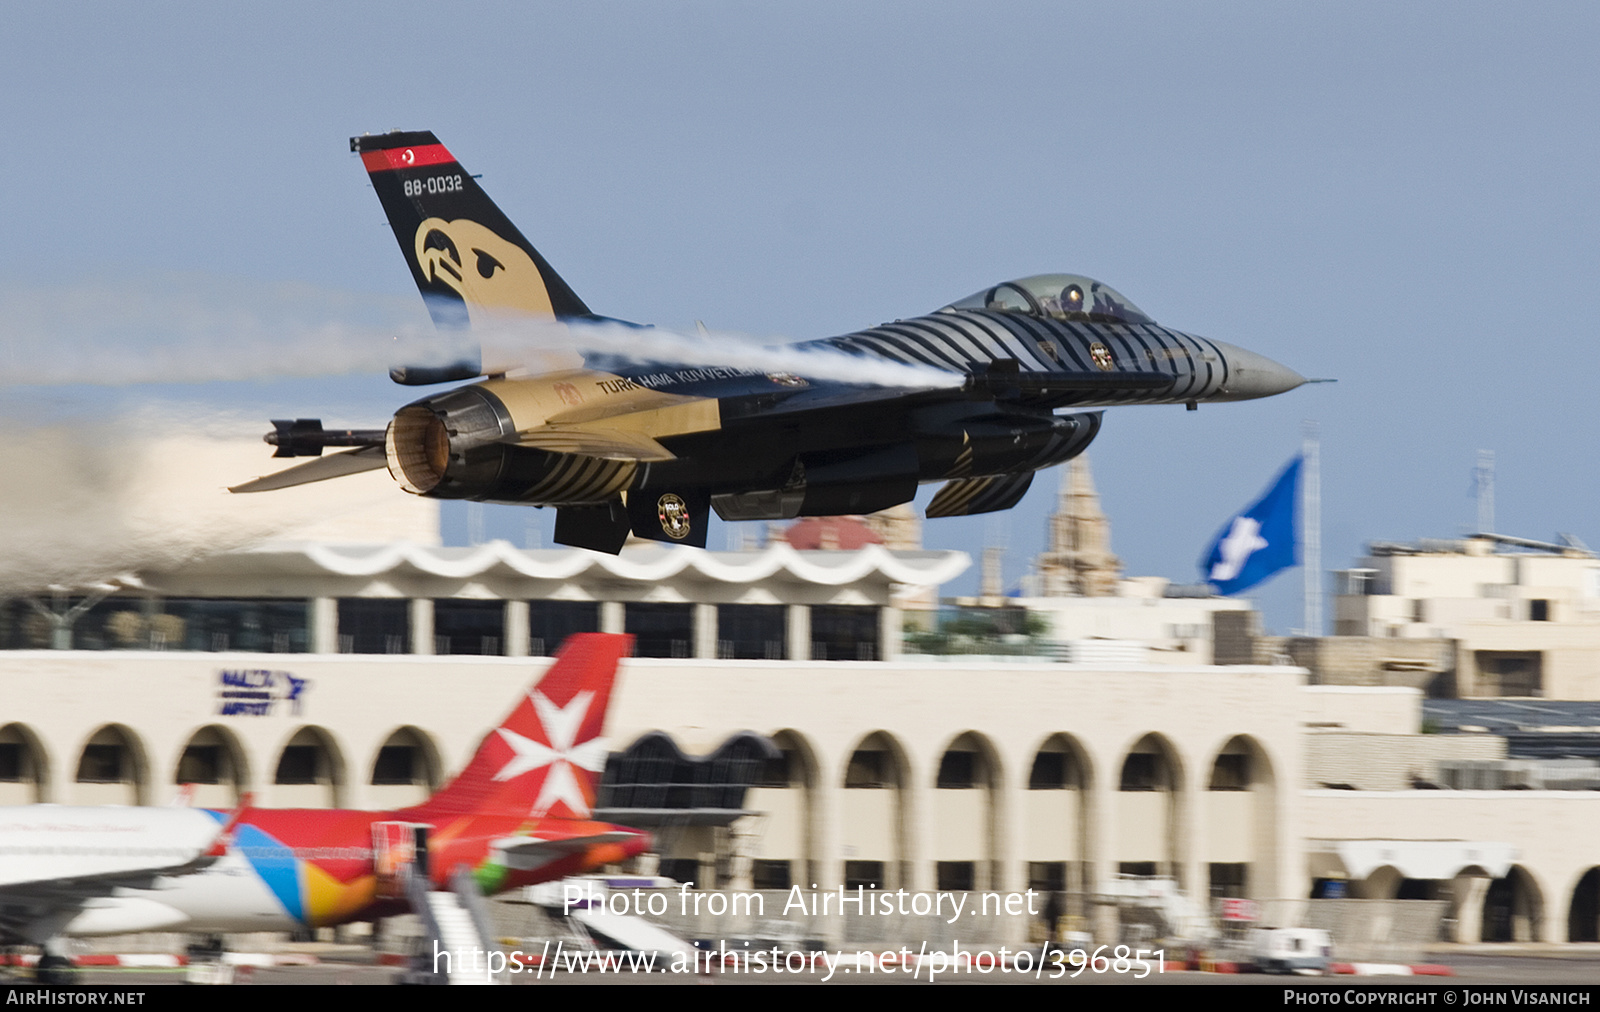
{"x":104,"y":493}
{"x":191,"y":329}
{"x":533,"y":341}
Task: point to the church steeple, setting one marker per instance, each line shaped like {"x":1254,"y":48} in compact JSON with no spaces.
{"x":1079,"y":562}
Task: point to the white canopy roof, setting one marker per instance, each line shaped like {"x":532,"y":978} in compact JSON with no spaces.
{"x":499,"y":563}
{"x":1419,"y":859}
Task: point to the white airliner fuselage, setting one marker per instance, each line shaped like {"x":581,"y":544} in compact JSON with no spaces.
{"x":122,"y":870}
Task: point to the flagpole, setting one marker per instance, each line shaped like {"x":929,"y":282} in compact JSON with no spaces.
{"x":1311,"y":528}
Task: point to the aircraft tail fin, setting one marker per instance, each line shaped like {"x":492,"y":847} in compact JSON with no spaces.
{"x":467,"y":258}
{"x":545,"y":758}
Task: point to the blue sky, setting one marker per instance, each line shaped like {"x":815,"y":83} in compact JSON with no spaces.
{"x":1398,"y":196}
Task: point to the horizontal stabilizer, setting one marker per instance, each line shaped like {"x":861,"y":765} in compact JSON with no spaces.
{"x":335,"y":465}
{"x":219,"y":846}
{"x":967,"y":496}
{"x":587,"y":441}
{"x":522,"y":853}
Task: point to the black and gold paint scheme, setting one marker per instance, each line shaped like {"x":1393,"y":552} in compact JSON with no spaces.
{"x":621,"y":446}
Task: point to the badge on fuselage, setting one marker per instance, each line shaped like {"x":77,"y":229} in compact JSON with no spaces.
{"x":673,"y":513}
{"x":1101,"y":356}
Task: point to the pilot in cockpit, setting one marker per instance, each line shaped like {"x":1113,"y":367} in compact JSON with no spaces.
{"x":1056,"y":296}
{"x":1066,"y":306}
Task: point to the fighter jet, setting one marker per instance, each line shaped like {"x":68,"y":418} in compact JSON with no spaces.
{"x":992,"y":388}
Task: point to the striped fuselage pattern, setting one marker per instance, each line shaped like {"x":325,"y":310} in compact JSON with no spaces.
{"x":776,"y":431}
{"x":1008,"y":393}
{"x":630,"y":442}
{"x":964,"y":340}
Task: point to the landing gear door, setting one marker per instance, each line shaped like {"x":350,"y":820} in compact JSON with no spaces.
{"x":399,"y":849}
{"x":675,"y":517}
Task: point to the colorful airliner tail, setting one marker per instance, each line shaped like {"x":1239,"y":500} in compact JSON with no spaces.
{"x":545,"y":758}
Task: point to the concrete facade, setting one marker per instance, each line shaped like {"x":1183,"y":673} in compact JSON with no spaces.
{"x":156,"y":704}
{"x":1174,"y":630}
{"x":1199,"y":773}
{"x":918,"y":773}
{"x":1524,"y":622}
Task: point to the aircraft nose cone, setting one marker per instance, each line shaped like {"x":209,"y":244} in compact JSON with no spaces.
{"x":1251,"y":376}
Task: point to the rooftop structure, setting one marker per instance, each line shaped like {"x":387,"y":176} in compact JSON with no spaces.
{"x":1524,"y":615}
{"x":1078,"y":590}
{"x":1078,"y":562}
{"x":777,"y":603}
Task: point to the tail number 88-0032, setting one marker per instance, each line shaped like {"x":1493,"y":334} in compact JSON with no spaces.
{"x":433,"y":184}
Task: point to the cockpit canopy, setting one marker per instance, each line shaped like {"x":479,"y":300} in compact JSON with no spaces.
{"x":1058,"y":296}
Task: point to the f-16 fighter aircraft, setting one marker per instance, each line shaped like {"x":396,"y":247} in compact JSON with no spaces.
{"x":520,"y":813}
{"x":619,"y":443}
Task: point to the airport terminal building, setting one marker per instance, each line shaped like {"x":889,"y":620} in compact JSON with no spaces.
{"x":772,"y":733}
{"x":777,"y":728}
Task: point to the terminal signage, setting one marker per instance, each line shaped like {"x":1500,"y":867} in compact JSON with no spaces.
{"x":259,"y":692}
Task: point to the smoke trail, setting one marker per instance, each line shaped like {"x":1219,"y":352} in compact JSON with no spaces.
{"x":736,"y":351}
{"x":192,"y":329}
{"x":103,"y":493}
{"x":95,"y":499}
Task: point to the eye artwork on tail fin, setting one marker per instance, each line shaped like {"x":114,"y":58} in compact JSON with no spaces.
{"x":488,"y":272}
{"x":521,"y":812}
{"x":989,"y":390}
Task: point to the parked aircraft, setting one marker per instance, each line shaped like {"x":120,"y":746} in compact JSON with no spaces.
{"x":629,"y":443}
{"x":519,"y":813}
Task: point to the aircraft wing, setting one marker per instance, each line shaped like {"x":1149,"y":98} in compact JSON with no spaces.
{"x":57,"y":867}
{"x":334,"y":465}
{"x":46,"y":856}
{"x":39,"y":908}
{"x":592,"y":441}
{"x":94,"y":877}
{"x":522,"y":853}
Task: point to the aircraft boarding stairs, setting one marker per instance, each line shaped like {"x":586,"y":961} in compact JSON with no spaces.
{"x":457,"y":937}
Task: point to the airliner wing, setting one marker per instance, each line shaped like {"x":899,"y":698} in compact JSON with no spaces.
{"x":37,"y":901}
{"x":59,"y":861}
{"x":97,"y":873}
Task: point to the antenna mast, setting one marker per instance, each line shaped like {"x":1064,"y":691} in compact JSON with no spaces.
{"x":1311,"y":527}
{"x":1483,"y":479}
